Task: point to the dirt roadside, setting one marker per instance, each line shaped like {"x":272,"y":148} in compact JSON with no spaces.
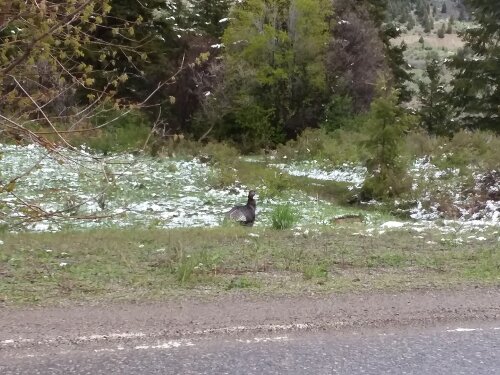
{"x":236,"y":314}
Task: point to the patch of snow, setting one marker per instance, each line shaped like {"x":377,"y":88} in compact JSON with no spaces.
{"x":393,"y":224}
{"x":346,"y":173}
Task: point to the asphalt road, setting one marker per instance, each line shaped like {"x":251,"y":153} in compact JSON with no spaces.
{"x":471,"y":350}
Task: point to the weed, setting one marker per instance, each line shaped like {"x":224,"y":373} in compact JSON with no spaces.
{"x":284,"y":217}
{"x":240,"y":283}
{"x":315,"y":271}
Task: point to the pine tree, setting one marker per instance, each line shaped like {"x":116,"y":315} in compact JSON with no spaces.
{"x":386,"y":124}
{"x":461,"y":15}
{"x":476,"y":81}
{"x":210,"y":16}
{"x":401,"y":74}
{"x":449,"y":28}
{"x":427,"y":25}
{"x":434,"y":110}
{"x":411,"y":23}
{"x":443,"y":8}
{"x":441,"y":31}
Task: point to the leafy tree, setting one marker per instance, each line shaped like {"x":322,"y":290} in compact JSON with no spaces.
{"x":434,"y":110}
{"x":274,"y":68}
{"x":427,"y":25}
{"x":41,"y":68}
{"x":59,"y":75}
{"x":476,"y":81}
{"x":399,"y":68}
{"x":68,"y":56}
{"x":156,"y":39}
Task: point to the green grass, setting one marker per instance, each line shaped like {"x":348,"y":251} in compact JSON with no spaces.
{"x":284,"y":217}
{"x":139,"y":264}
{"x":277,"y":183}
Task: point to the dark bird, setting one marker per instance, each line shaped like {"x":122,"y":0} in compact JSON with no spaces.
{"x":245,"y":215}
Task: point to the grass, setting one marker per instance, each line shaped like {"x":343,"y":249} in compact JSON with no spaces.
{"x":140,"y":264}
{"x":284,"y":217}
{"x":276,"y":183}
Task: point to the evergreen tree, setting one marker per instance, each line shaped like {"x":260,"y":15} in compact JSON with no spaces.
{"x":449,"y":28}
{"x":411,"y":23}
{"x":443,"y":8}
{"x":385,"y":127}
{"x":461,"y":15}
{"x":399,"y":68}
{"x":476,"y":81}
{"x":210,"y":16}
{"x":441,"y":31}
{"x":434,"y":110}
{"x":427,"y":25}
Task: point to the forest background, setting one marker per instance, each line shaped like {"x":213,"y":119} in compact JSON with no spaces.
{"x":254,"y":74}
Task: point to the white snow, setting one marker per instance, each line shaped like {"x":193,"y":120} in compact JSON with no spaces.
{"x":168,"y":193}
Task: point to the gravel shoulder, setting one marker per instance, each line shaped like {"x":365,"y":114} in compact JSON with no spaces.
{"x":39,"y":328}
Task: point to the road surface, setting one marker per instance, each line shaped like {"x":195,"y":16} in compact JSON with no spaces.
{"x":420,"y":332}
{"x":438,"y":350}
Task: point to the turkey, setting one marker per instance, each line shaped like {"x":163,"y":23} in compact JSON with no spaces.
{"x":245,"y":215}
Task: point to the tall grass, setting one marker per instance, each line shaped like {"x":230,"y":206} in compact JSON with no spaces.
{"x":284,"y":217}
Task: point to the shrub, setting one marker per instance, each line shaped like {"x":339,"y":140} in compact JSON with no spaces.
{"x":338,"y":147}
{"x":284,"y":217}
{"x":221,"y":178}
{"x":276,"y":185}
{"x":126,"y":132}
{"x":222,"y":153}
{"x":307,"y":146}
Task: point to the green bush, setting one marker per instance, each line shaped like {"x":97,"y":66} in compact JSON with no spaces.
{"x":221,"y":178}
{"x":127,"y":132}
{"x":284,"y":217}
{"x":220,"y":152}
{"x":276,"y":185}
